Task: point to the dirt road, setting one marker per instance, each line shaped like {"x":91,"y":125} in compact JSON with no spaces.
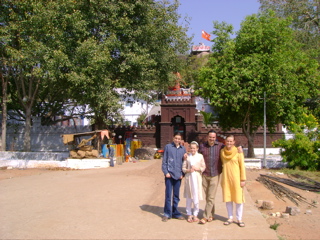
{"x":124,"y":202}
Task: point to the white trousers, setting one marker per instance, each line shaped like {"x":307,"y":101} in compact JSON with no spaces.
{"x":239,"y":210}
{"x":195,"y":200}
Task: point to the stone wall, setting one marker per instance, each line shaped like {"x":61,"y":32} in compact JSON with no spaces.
{"x":240,"y":138}
{"x":43,"y":138}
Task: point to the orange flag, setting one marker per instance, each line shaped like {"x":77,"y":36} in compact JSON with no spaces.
{"x":206,"y":35}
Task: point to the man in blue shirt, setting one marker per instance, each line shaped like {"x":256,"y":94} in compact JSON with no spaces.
{"x":172,"y":169}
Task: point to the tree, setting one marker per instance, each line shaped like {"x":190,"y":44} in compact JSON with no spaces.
{"x":141,"y":40}
{"x":31,"y":47}
{"x":305,"y":15}
{"x":189,"y":66}
{"x":264,"y":57}
{"x":4,"y":100}
{"x":80,"y":51}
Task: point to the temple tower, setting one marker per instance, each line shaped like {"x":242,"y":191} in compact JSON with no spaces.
{"x":178,"y":114}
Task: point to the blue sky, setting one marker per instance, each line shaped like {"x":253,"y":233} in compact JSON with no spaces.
{"x":204,"y":12}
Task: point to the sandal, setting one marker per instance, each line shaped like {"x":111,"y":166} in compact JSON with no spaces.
{"x":210,"y":219}
{"x":190,"y":220}
{"x":241,"y":224}
{"x":195,"y":219}
{"x":228,"y":222}
{"x":203,"y":221}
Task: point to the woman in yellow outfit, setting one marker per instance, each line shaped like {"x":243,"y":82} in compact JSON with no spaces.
{"x":233,"y":180}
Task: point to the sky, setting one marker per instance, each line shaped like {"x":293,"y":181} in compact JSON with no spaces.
{"x":204,"y":12}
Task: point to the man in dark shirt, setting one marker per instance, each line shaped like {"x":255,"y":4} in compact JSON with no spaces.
{"x":211,"y":176}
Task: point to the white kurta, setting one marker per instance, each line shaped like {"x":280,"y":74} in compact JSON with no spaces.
{"x":193,"y":181}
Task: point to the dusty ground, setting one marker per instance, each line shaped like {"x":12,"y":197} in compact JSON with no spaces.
{"x":302,"y":226}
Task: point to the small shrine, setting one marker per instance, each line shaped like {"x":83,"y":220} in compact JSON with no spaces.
{"x":178,"y":112}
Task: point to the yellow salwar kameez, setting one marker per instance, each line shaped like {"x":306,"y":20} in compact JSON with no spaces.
{"x":233,"y":171}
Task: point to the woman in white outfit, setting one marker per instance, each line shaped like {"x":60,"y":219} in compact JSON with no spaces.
{"x":193,"y":167}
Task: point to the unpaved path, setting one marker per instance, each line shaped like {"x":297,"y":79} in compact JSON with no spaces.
{"x":124,"y":202}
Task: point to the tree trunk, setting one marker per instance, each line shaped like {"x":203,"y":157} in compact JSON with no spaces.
{"x":27,"y":130}
{"x":27,"y":92}
{"x":99,"y":123}
{"x":250,"y":134}
{"x":4,"y":113}
{"x":250,"y":147}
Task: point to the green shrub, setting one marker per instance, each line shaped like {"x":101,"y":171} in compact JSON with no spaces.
{"x":275,"y":226}
{"x":302,"y":151}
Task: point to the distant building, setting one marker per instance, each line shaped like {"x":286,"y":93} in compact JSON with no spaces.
{"x":200,"y":50}
{"x":132,"y":106}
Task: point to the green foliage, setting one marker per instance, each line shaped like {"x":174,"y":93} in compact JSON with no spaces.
{"x":141,"y":118}
{"x":208,"y":118}
{"x":305,"y":20}
{"x":264,"y":57}
{"x":302,"y":151}
{"x":306,"y":24}
{"x":65,"y":52}
{"x":275,"y":226}
{"x":190,"y":66}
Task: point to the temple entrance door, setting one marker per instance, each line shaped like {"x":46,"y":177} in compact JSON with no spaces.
{"x":178,"y":125}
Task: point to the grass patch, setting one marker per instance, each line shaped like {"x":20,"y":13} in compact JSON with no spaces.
{"x":274,"y":226}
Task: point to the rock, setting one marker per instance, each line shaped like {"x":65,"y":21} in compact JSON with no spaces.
{"x":74,"y":154}
{"x":285,"y":215}
{"x":259,"y":203}
{"x":293,"y":211}
{"x":144,"y":153}
{"x":309,"y":212}
{"x":92,"y":154}
{"x":268,"y":205}
{"x":278,"y":214}
{"x":81,"y":153}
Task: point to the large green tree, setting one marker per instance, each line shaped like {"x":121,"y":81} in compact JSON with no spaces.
{"x":33,"y":58}
{"x":305,"y":16}
{"x":79,"y":52}
{"x":263,"y":58}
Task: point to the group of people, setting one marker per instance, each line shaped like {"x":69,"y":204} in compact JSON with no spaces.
{"x":203,"y":167}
